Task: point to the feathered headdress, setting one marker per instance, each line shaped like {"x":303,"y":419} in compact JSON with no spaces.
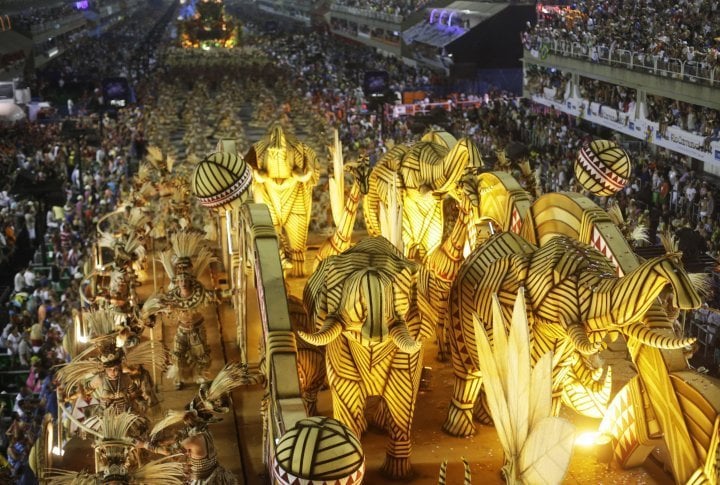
{"x":107,"y":325}
{"x":137,"y":221}
{"x":214,"y":398}
{"x":189,"y":254}
{"x":158,"y":472}
{"x":127,"y":247}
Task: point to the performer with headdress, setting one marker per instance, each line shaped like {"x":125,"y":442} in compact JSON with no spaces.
{"x":99,"y":370}
{"x":195,"y":440}
{"x":117,"y":462}
{"x":184,"y":300}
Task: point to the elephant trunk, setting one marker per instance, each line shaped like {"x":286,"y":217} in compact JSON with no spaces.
{"x":580,"y":340}
{"x":655,"y":338}
{"x":330,"y":330}
{"x":400,"y":336}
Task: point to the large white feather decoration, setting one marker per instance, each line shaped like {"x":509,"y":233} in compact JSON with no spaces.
{"x":336,"y":183}
{"x":537,"y":446}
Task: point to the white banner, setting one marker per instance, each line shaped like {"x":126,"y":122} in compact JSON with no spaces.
{"x":674,"y":138}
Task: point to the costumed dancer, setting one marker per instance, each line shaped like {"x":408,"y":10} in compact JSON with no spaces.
{"x":99,"y":371}
{"x":195,"y":440}
{"x":184,"y":300}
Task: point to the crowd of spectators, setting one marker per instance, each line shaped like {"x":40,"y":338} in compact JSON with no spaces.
{"x":35,"y":18}
{"x":91,"y":170}
{"x":699,"y":120}
{"x":57,"y":183}
{"x":663,"y":29}
{"x":399,"y":8}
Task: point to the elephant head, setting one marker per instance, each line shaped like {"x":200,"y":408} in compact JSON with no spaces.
{"x":371,"y":305}
{"x":363,"y":302}
{"x":623,"y":303}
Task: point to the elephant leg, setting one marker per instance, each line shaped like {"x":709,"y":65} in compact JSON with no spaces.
{"x":348,"y":399}
{"x":381,"y":418}
{"x":399,"y":398}
{"x":296,"y":229}
{"x":311,"y":371}
{"x":459,"y":420}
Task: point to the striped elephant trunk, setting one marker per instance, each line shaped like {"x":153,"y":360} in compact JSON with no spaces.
{"x":330,"y":330}
{"x":657,"y":338}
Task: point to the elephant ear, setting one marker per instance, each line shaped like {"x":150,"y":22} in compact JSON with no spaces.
{"x":404,"y":290}
{"x":315,"y":292}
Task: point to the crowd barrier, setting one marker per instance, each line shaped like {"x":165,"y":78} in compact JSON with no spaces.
{"x":693,"y":71}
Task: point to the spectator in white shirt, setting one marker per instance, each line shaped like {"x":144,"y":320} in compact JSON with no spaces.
{"x":19,"y":282}
{"x":29,"y":276}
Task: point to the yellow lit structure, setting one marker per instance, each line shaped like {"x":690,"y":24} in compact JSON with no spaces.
{"x":537,"y":445}
{"x":419,"y":176}
{"x":285,"y":170}
{"x":367,"y":318}
{"x":666,"y":404}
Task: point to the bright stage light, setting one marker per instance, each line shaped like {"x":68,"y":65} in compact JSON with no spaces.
{"x":588,"y":438}
{"x":58,"y":451}
{"x":82,"y":339}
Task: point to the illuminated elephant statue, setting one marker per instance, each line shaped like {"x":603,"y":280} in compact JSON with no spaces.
{"x":420,"y":176}
{"x":363,"y":303}
{"x":285,"y":170}
{"x":574,"y":299}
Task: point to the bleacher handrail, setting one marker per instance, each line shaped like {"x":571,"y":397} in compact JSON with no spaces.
{"x":285,"y":406}
{"x":633,"y":60}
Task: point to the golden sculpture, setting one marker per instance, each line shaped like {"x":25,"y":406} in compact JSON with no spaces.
{"x":444,"y":262}
{"x":419,"y":176}
{"x":663,"y":405}
{"x":337,"y":456}
{"x":574,"y":300}
{"x":285,"y":170}
{"x":366,"y":314}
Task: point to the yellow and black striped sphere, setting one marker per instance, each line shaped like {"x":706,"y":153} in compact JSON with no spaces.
{"x":220,"y":179}
{"x":602,"y":167}
{"x":321,"y":450}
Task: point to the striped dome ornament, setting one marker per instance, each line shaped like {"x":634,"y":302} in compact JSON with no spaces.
{"x":220,"y":179}
{"x":318,"y":451}
{"x":602,"y":167}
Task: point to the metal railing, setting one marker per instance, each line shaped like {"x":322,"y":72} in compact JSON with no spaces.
{"x":367,"y":13}
{"x":691,"y":71}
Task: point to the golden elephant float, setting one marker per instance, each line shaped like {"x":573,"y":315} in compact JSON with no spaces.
{"x":285,"y":170}
{"x":366,"y":315}
{"x":666,"y":404}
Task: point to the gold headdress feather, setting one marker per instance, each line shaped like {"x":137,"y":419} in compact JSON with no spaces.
{"x":160,"y":472}
{"x":171,"y":418}
{"x":615,"y":215}
{"x":138,"y":219}
{"x":166,"y":259}
{"x":146,"y":354}
{"x":103,"y":323}
{"x":65,"y":477}
{"x":77,"y":371}
{"x":230,"y":377}
{"x":670,"y":243}
{"x":117,"y":426}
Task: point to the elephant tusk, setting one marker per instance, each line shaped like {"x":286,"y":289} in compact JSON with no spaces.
{"x":580,"y":340}
{"x":330,"y":330}
{"x":654,"y":338}
{"x":401,"y":337}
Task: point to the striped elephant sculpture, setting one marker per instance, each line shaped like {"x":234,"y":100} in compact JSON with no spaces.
{"x":285,"y":170}
{"x":366,"y":316}
{"x":574,"y":299}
